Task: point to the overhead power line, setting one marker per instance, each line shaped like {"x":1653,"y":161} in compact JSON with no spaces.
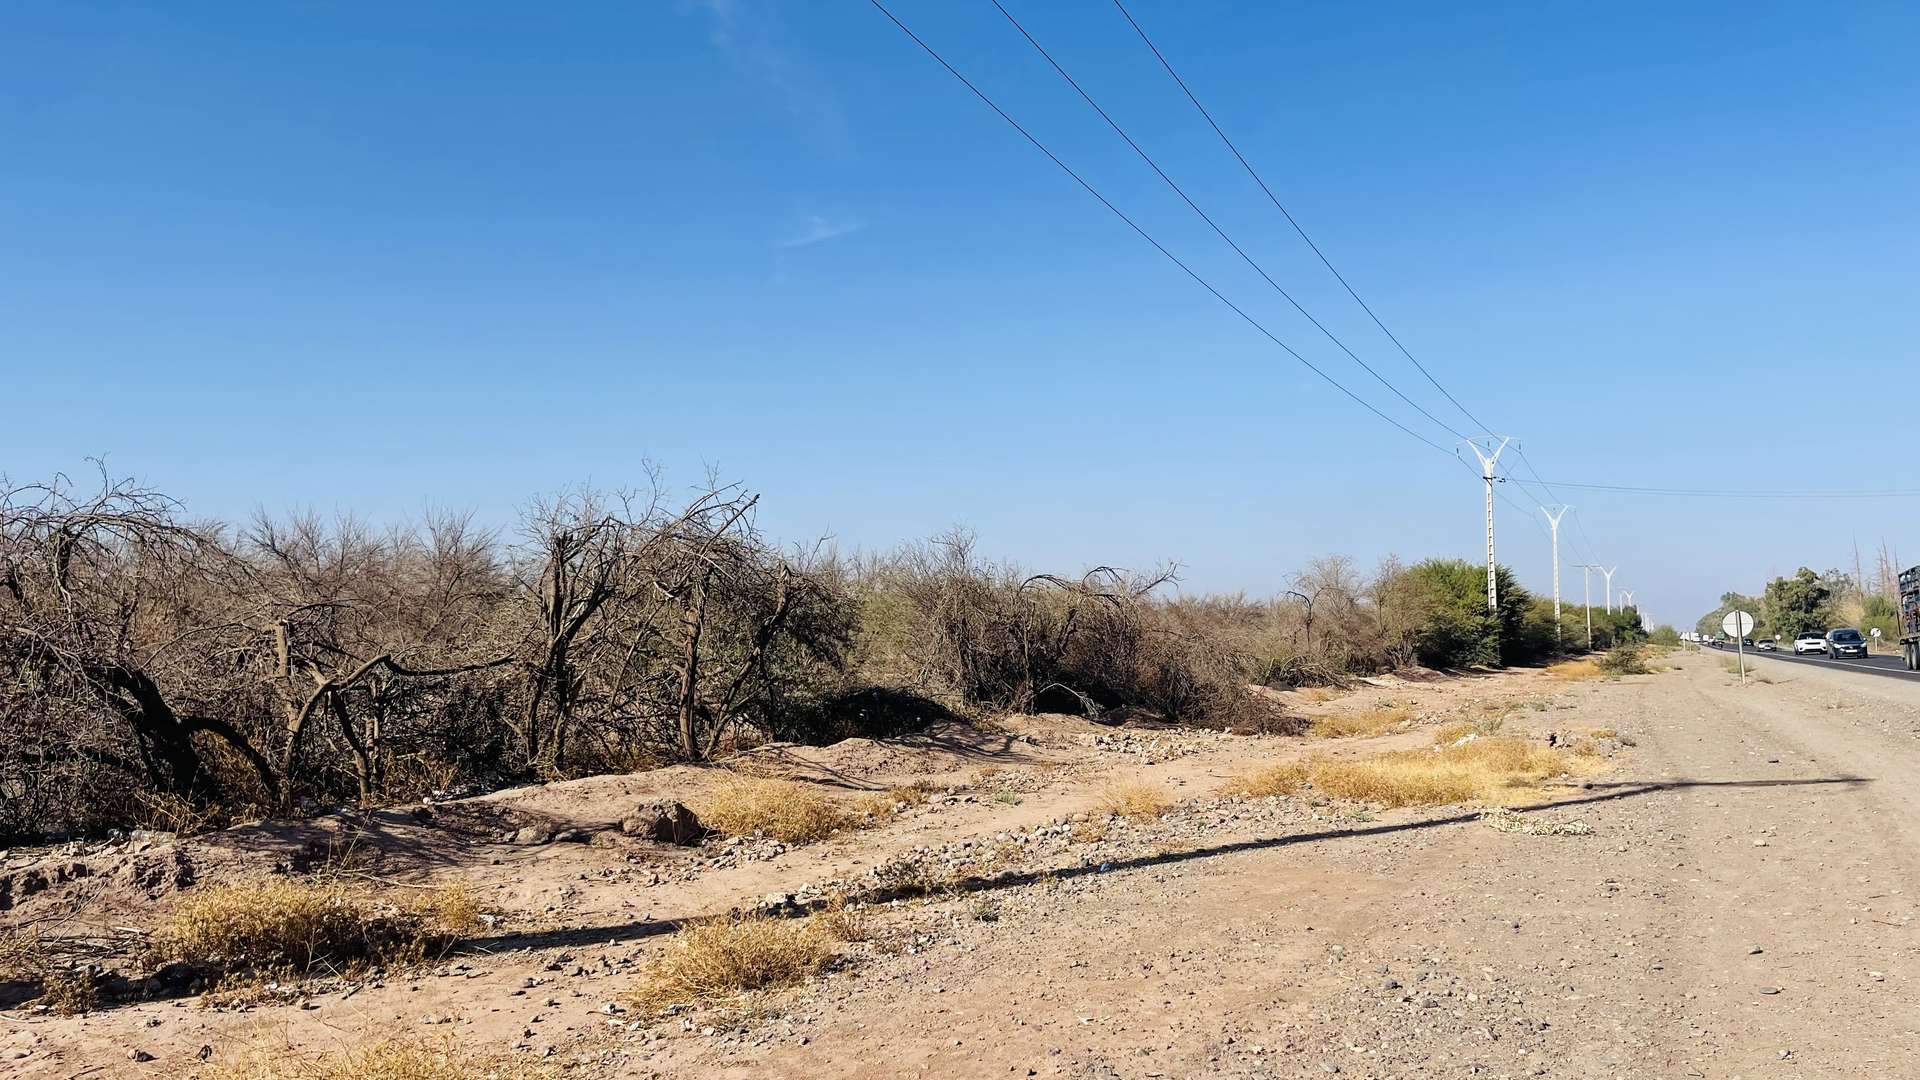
{"x":1278,"y":205}
{"x":1222,"y":233}
{"x":1747,"y":493}
{"x":1144,"y":235}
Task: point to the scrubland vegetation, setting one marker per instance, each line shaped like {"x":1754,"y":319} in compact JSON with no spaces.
{"x":156,"y":669}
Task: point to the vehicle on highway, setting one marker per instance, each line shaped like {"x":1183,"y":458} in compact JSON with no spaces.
{"x":1747,"y":641}
{"x":1845,"y":641}
{"x":1910,"y":616}
{"x":1766,"y":644}
{"x":1809,"y":641}
{"x":1719,"y":641}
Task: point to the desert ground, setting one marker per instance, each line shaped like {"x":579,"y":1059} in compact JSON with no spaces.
{"x":1724,"y":887}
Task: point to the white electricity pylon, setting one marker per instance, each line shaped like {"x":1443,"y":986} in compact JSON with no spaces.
{"x":1608,"y":570}
{"x":1586,"y":588}
{"x":1486,"y":473}
{"x":1553,"y":519}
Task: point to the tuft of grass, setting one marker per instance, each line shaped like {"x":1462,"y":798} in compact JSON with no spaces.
{"x":395,"y":1058}
{"x":725,"y":960}
{"x":1139,"y":800}
{"x":1603,"y":733}
{"x":1283,"y":778}
{"x":1452,"y":733}
{"x":1318,"y":694}
{"x":307,"y":925}
{"x":1359,"y":724}
{"x":790,"y":812}
{"x":1491,"y":770}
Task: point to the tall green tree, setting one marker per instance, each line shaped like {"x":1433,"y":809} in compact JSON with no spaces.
{"x":1801,"y":603}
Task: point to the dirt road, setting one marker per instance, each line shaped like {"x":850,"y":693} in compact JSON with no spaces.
{"x":1744,"y":907}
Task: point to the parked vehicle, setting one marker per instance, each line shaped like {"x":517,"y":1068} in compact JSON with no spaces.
{"x":1910,"y":616}
{"x":1845,"y":641}
{"x":1809,"y":641}
{"x":1766,"y":644}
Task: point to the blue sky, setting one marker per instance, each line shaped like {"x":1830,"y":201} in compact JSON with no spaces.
{"x":380,"y":257}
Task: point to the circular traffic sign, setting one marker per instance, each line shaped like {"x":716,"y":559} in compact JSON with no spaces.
{"x":1737,"y":624}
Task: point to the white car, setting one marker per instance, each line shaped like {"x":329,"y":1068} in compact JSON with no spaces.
{"x":1812,"y":641}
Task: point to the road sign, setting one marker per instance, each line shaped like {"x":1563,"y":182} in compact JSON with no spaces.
{"x":1737,"y":624}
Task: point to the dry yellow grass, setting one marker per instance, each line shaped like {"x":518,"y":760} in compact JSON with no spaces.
{"x":787,"y":811}
{"x":1318,"y":694}
{"x":301,"y":926}
{"x":1575,"y":670}
{"x":1451,"y":733}
{"x":1139,"y":800}
{"x":394,"y":1058}
{"x":1359,"y":724}
{"x":1604,"y":733}
{"x":723,"y":960}
{"x":1283,"y":778}
{"x":1493,"y":770}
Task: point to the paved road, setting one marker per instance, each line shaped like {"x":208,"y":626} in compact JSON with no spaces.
{"x":1891,"y":666}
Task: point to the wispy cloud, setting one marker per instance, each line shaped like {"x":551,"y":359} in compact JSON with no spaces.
{"x":748,"y":33}
{"x":817,"y":229}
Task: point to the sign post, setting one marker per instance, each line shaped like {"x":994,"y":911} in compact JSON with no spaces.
{"x":1738,"y":624}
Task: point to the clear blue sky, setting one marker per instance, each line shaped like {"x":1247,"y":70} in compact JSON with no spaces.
{"x":380,"y":256}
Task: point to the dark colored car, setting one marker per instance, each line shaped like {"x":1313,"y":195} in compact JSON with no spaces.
{"x":1846,"y":641}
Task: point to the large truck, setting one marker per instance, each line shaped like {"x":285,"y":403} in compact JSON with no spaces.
{"x":1910,"y":617}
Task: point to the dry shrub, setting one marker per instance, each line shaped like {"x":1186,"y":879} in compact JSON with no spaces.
{"x":1575,"y":670}
{"x":1284,"y":778}
{"x":1452,"y":733}
{"x":1604,"y":733}
{"x":395,"y":1058}
{"x":1489,"y":770}
{"x":722,"y":960}
{"x":304,"y":926}
{"x":21,"y":955}
{"x":1624,"y":659}
{"x":1318,"y":694}
{"x":1359,"y":724}
{"x":1138,"y":800}
{"x":790,"y":812}
{"x":69,"y":993}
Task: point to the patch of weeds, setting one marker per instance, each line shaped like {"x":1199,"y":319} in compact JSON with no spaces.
{"x":1489,"y":770}
{"x":721,"y":961}
{"x":1575,"y":670}
{"x":69,"y":992}
{"x":1283,"y":778}
{"x":1624,"y":659}
{"x":1137,"y":800}
{"x":1361,"y":724}
{"x":986,"y":910}
{"x":790,"y":812}
{"x":303,"y":926}
{"x":1007,"y":798}
{"x":397,"y":1058}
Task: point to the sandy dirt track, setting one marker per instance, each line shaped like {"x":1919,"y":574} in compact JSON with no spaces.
{"x":1745,"y":906}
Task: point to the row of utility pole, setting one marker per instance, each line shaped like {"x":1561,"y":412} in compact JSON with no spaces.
{"x":1487,"y":461}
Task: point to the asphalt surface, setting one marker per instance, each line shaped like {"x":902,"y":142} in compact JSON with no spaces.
{"x":1890,"y":666}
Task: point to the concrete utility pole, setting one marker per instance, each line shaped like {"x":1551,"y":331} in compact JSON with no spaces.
{"x":1553,"y":519}
{"x":1609,"y":572}
{"x":1626,"y":600}
{"x":1586,"y":586}
{"x":1486,"y":473}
